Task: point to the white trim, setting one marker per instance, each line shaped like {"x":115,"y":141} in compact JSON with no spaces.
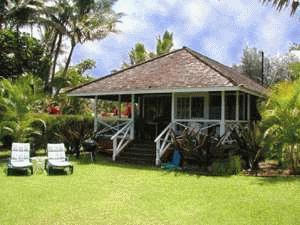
{"x":222,"y":124}
{"x":169,"y":90}
{"x":248,"y":107}
{"x":132,"y":116}
{"x":154,"y":91}
{"x":237,"y":106}
{"x":173,"y":107}
{"x":95,"y":114}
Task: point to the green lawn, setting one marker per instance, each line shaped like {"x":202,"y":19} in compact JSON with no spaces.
{"x":109,"y":193}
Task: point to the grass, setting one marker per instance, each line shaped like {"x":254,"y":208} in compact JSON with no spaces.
{"x":110,"y":193}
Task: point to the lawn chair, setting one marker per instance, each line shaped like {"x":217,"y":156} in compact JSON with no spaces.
{"x":57,"y":158}
{"x":20,"y":158}
{"x":175,"y":162}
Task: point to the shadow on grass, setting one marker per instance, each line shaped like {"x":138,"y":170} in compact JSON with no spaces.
{"x":276,"y":180}
{"x":105,"y":160}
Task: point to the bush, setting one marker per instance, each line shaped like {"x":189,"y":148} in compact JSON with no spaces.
{"x":227,"y":167}
{"x":72,"y":130}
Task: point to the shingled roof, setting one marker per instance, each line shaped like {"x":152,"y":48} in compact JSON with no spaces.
{"x":179,"y":69}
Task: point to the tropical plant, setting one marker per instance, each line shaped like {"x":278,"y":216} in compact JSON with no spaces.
{"x":20,"y":53}
{"x":140,"y":54}
{"x":280,"y":122}
{"x":165,"y":44}
{"x":17,"y":13}
{"x":74,"y":76}
{"x":280,"y":4}
{"x":18,"y":98}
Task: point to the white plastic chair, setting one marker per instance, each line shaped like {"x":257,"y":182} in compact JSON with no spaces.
{"x":20,"y":158}
{"x":57,"y":158}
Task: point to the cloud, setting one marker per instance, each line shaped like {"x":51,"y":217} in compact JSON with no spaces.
{"x":216,"y":28}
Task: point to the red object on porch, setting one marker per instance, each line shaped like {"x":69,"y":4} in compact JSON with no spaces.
{"x":54,"y":110}
{"x":128,"y":110}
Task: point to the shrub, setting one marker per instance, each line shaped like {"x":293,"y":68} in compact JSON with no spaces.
{"x":280,"y":120}
{"x":227,"y":167}
{"x":72,"y":130}
{"x":219,"y":168}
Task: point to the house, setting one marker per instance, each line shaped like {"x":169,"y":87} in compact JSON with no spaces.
{"x":181,"y":89}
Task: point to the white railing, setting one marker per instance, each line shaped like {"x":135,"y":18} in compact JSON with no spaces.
{"x":164,"y":139}
{"x":110,"y":129}
{"x":122,"y":138}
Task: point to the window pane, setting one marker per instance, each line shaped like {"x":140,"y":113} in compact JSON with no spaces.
{"x":215,"y":106}
{"x":183,"y":108}
{"x":230,"y":107}
{"x":197,"y":107}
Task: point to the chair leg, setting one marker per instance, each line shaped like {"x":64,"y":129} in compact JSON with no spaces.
{"x":8,"y":172}
{"x":71,"y":169}
{"x":31,"y":170}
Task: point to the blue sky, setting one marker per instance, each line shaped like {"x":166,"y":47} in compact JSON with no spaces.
{"x":219,"y":29}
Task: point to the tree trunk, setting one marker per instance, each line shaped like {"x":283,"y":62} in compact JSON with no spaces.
{"x":56,"y":56}
{"x":69,"y":58}
{"x":51,"y":57}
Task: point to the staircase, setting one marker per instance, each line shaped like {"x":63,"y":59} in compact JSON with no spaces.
{"x":138,"y":153}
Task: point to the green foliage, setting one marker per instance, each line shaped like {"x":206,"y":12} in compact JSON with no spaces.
{"x":74,"y":76}
{"x":165,"y":44}
{"x":69,"y":129}
{"x":140,"y":54}
{"x":251,"y":63}
{"x":294,"y":69}
{"x":231,"y":166}
{"x":280,"y":122}
{"x":20,"y":53}
{"x":18,"y":98}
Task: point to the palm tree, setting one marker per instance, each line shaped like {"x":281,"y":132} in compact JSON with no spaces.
{"x":138,"y":54}
{"x":280,"y":4}
{"x":280,"y":122}
{"x":90,"y":20}
{"x":17,"y":13}
{"x":18,"y":99}
{"x":165,"y":44}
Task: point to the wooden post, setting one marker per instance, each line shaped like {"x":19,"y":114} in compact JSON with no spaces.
{"x":173,"y":107}
{"x":222,"y":124}
{"x":237,"y":106}
{"x":248,"y":107}
{"x":132,"y":116}
{"x":119,"y":106}
{"x":95,"y":114}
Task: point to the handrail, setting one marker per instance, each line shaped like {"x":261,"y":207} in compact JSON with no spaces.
{"x":163,"y":132}
{"x":127,"y":132}
{"x":121,"y":130}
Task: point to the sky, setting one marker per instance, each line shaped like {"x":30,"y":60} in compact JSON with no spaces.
{"x":219,"y":29}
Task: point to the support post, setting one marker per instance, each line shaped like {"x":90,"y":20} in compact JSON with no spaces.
{"x":237,"y":106}
{"x":119,"y":106}
{"x":222,"y":124}
{"x":248,"y":107}
{"x":173,"y":111}
{"x":95,"y":114}
{"x":132,"y":117}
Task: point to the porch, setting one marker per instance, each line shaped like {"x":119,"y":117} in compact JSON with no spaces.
{"x":155,"y":115}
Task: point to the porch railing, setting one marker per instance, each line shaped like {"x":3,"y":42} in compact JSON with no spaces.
{"x":122,"y":138}
{"x":164,"y":139}
{"x":120,"y":132}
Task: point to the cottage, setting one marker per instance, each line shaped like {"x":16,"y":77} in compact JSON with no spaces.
{"x":177,"y":90}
